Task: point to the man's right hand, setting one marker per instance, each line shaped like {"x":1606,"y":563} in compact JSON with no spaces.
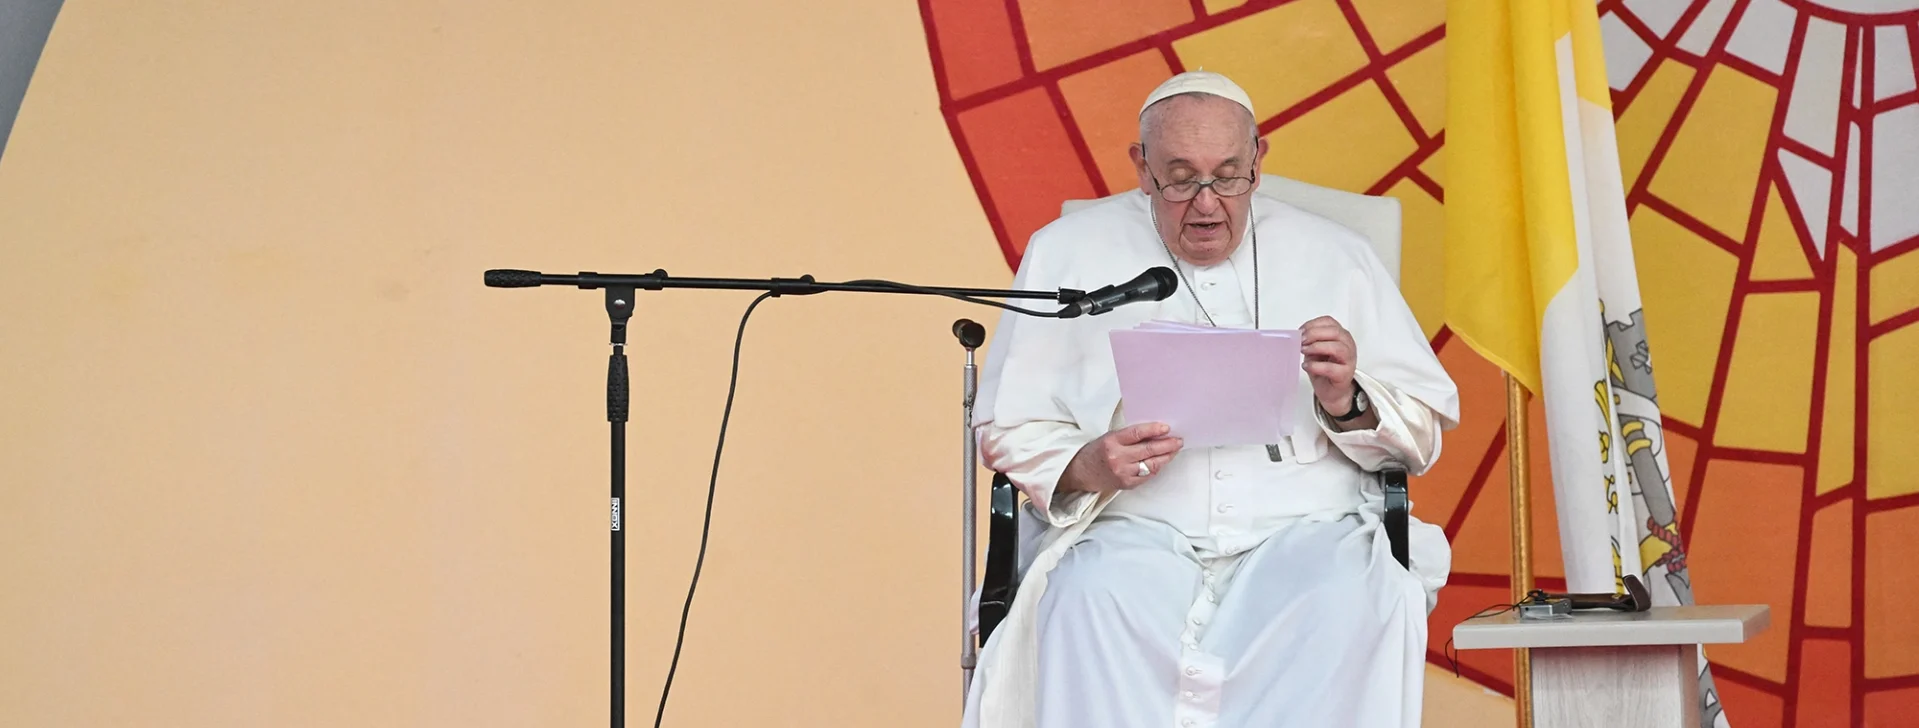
{"x":1112,"y":461}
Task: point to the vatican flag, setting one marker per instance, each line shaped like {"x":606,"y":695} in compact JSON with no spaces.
{"x":1540,"y":281}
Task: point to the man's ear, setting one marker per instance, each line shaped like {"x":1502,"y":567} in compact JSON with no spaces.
{"x":1259,"y":161}
{"x":1138,"y":154}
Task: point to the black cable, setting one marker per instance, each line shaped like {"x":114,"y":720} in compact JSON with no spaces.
{"x":1487,"y":612}
{"x":712,"y":483}
{"x":706,"y":527}
{"x":959,"y":296}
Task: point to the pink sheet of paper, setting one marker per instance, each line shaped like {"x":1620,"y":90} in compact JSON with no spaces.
{"x":1212,"y":386}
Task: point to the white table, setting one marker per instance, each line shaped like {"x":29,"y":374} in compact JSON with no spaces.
{"x":1611,"y":669}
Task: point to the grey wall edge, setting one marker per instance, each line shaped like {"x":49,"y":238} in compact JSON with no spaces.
{"x":24,"y":27}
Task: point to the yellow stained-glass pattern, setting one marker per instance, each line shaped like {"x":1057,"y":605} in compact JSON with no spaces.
{"x":1770,"y":169}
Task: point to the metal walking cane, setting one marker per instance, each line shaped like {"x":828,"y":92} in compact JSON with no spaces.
{"x":971,"y":335}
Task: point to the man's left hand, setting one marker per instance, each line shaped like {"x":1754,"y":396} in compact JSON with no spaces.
{"x":1329,"y":357}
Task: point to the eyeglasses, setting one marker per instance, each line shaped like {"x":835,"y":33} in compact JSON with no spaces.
{"x":1183,"y":191}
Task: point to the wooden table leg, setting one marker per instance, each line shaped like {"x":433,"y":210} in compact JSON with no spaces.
{"x":1655,"y":686}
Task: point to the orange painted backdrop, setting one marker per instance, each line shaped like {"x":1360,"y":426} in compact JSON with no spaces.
{"x":270,"y":455}
{"x":1772,"y":153}
{"x":274,"y":457}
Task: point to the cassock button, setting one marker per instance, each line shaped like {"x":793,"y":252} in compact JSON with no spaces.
{"x":1191,"y":696}
{"x":1225,"y":508}
{"x":1189,"y":723}
{"x":1192,"y":671}
{"x":1222,"y":475}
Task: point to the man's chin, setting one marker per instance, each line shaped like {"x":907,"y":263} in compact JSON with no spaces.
{"x":1205,"y":252}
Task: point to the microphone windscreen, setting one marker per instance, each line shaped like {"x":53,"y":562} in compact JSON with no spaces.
{"x":1165,"y":280}
{"x":971,"y":334}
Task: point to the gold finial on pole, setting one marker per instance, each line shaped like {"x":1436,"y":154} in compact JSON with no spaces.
{"x":1519,"y":470}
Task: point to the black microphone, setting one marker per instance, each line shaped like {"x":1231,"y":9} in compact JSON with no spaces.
{"x":1156,"y":284}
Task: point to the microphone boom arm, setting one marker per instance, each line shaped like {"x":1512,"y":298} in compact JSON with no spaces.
{"x":802,"y":286}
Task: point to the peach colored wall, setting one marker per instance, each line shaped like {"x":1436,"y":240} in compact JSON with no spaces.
{"x":274,"y":456}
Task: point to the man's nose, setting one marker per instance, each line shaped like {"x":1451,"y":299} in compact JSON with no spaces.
{"x":1207,"y":201}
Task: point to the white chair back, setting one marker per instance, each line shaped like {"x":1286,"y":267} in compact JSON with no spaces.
{"x":1374,"y":217}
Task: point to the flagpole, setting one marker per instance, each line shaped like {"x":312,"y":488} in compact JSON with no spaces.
{"x":1519,"y":472}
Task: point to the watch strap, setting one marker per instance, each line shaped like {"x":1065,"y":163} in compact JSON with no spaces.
{"x":1353,"y":411}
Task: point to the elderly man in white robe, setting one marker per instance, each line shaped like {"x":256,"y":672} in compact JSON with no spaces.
{"x":1223,"y":586}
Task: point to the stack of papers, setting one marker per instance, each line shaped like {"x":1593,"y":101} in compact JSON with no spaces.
{"x":1213,"y":387}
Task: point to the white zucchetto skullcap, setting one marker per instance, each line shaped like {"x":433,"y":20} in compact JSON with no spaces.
{"x":1205,"y":82}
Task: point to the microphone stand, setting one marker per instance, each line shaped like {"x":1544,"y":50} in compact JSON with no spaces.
{"x":620,"y":290}
{"x":971,"y":335}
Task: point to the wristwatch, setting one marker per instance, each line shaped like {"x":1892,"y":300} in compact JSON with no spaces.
{"x":1360,"y":404}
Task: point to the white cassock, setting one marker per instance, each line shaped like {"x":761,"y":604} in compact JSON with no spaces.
{"x":1229,"y":589}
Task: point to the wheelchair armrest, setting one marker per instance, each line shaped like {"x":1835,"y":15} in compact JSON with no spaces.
{"x":1392,"y":483}
{"x":1001,"y":581}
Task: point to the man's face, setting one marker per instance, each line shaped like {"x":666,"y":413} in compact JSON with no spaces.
{"x":1199,"y":139}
